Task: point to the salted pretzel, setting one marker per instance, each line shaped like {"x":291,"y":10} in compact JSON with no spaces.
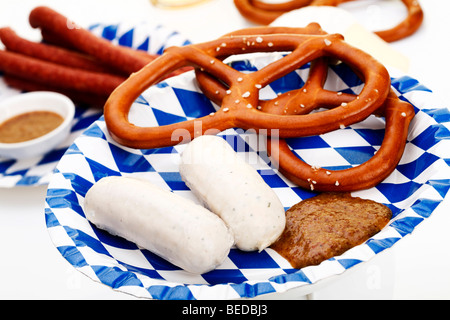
{"x":265,"y":13}
{"x":397,"y":113}
{"x":239,"y":107}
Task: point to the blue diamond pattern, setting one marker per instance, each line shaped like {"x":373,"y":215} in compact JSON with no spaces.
{"x":234,"y":279}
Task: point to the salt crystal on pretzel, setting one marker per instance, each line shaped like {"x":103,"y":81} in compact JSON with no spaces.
{"x":398,"y":115}
{"x":304,"y":48}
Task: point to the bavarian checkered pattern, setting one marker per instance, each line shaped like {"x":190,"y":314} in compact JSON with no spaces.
{"x":413,"y":191}
{"x":38,"y":170}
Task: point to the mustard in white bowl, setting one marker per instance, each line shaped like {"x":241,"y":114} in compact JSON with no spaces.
{"x":34,"y":123}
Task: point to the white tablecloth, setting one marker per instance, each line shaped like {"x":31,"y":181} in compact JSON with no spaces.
{"x":415,"y":268}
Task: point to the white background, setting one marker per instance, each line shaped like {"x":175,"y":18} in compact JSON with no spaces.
{"x":417,"y":267}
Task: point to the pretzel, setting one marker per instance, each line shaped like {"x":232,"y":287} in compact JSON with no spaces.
{"x":261,"y":12}
{"x":398,"y":115}
{"x":239,"y":108}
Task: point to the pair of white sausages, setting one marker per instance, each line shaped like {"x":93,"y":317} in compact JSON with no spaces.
{"x":243,"y":210}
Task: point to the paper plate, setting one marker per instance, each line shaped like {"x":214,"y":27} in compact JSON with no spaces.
{"x":38,"y":170}
{"x":413,"y":191}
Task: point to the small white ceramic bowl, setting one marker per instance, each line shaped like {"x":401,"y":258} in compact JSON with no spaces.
{"x":37,"y":101}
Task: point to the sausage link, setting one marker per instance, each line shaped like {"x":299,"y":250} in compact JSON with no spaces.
{"x":115,"y":56}
{"x":80,"y":98}
{"x":175,"y":228}
{"x":56,"y":75}
{"x":42,"y":51}
{"x":234,"y":190}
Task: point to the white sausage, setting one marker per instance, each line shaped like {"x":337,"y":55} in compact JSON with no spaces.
{"x":234,"y":190}
{"x":173,"y":227}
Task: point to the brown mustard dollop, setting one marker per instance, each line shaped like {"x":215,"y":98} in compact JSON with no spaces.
{"x":327,"y":225}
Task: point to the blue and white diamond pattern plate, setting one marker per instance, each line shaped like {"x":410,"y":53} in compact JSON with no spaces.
{"x":38,"y":170}
{"x":413,"y":191}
